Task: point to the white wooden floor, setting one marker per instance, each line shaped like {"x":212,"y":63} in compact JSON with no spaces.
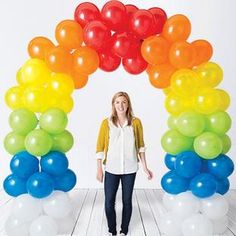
{"x":91,"y":219}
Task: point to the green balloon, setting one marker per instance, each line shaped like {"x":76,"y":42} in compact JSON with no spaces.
{"x":208,"y":145}
{"x":191,"y":124}
{"x":219,"y":122}
{"x":54,"y":121}
{"x":174,"y":142}
{"x":226,"y":141}
{"x":14,"y":143}
{"x":23,"y":121}
{"x":38,"y":142}
{"x":172,"y":122}
{"x":62,"y":142}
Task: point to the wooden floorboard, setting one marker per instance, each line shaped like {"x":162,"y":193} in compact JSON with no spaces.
{"x":90,"y":218}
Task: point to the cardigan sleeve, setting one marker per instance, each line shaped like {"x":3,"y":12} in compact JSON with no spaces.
{"x":141,"y":145}
{"x":101,"y":141}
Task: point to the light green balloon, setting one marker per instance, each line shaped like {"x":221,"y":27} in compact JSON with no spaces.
{"x":208,"y":145}
{"x":226,"y":142}
{"x":54,"y":121}
{"x":174,"y":142}
{"x":23,"y":121}
{"x":38,"y":142}
{"x":14,"y":143}
{"x":62,"y":142}
{"x":191,"y":124}
{"x":219,"y":122}
{"x":172,"y":122}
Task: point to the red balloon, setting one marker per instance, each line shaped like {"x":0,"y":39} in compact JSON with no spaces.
{"x":86,"y":12}
{"x":125,"y":44}
{"x":135,"y":65}
{"x":114,"y":15}
{"x":96,"y":34}
{"x":108,"y":61}
{"x":141,"y":23}
{"x":160,"y":18}
{"x":130,"y":10}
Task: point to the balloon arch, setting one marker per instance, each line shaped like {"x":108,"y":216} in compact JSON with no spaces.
{"x":143,"y":40}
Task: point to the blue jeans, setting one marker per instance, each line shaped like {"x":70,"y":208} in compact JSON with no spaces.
{"x":111,"y":185}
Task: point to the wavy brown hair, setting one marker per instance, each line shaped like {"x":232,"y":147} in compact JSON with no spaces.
{"x":129,"y":112}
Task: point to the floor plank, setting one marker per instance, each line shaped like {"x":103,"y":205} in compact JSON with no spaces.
{"x":149,"y":223}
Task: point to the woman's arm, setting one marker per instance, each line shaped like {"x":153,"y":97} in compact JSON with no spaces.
{"x":142,"y":158}
{"x":99,"y":170}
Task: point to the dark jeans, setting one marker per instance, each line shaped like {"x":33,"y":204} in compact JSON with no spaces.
{"x":111,"y":185}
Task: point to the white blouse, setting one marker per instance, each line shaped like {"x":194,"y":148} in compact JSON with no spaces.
{"x":121,"y":155}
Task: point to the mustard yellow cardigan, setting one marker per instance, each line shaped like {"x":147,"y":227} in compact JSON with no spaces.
{"x":103,"y":137}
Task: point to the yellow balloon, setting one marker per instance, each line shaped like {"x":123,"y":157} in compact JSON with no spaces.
{"x":61,"y":84}
{"x":33,"y":72}
{"x":167,"y":91}
{"x":13,"y":97}
{"x":35,"y":99}
{"x":207,"y":101}
{"x":175,"y":104}
{"x":224,"y":99}
{"x":67,"y":104}
{"x":185,"y":82}
{"x":210,"y":74}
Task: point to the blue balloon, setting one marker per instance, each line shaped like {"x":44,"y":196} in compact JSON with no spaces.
{"x":222,"y":186}
{"x":40,"y":185}
{"x":170,"y":161}
{"x":188,"y":164}
{"x":24,"y":164}
{"x":54,"y":163}
{"x":66,"y":181}
{"x":221,"y":167}
{"x":14,"y":186}
{"x":203,"y":185}
{"x":173,"y":183}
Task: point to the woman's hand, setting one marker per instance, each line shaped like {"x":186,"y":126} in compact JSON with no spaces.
{"x":100,"y":175}
{"x":149,"y":173}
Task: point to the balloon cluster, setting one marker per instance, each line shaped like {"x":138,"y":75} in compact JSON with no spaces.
{"x":196,"y":143}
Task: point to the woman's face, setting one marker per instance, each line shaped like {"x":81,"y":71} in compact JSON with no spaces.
{"x":121,"y":105}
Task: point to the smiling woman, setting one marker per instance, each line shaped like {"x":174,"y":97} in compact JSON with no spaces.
{"x":196,"y":143}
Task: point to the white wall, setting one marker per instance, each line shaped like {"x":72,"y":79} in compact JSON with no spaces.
{"x":20,"y":21}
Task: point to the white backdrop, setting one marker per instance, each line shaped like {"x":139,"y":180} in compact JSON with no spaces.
{"x":20,"y":21}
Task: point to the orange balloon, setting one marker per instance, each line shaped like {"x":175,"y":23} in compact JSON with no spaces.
{"x":59,"y":59}
{"x":69,"y":34}
{"x":160,"y":75}
{"x":177,"y":27}
{"x":182,"y":55}
{"x":79,"y":80}
{"x":203,"y":50}
{"x":39,"y":46}
{"x":85,"y":60}
{"x":155,"y":50}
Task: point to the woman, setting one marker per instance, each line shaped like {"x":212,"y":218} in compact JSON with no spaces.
{"x":120,"y":144}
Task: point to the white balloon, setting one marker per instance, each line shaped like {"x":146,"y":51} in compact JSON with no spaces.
{"x":170,"y":225}
{"x":16,"y":227}
{"x":185,"y":205}
{"x":197,"y":225}
{"x":65,"y":225}
{"x":26,"y":207}
{"x":44,"y":226}
{"x":168,"y":201}
{"x":214,"y":207}
{"x":57,"y":205}
{"x":220,"y":225}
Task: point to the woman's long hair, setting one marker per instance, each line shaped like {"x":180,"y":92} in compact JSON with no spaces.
{"x":129,"y":112}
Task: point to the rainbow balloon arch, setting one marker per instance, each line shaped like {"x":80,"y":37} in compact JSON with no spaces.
{"x":144,"y":40}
